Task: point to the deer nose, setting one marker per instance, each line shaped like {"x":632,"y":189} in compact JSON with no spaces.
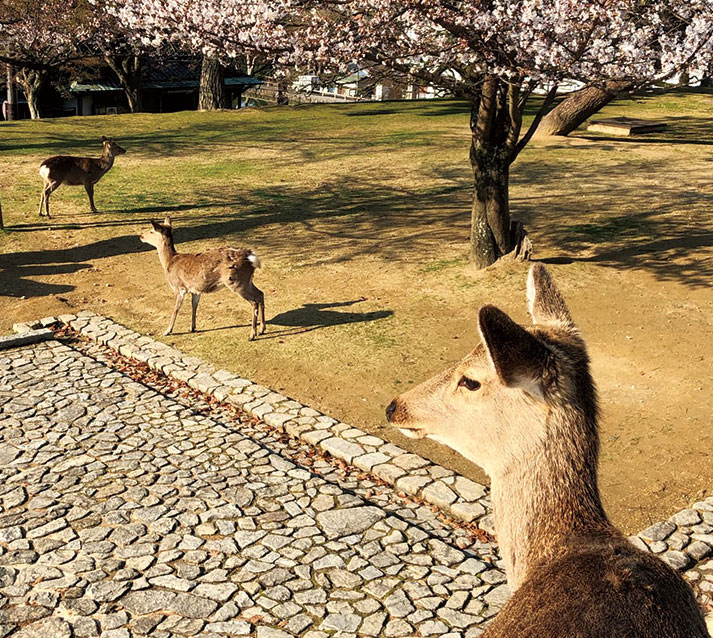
{"x":390,"y":409}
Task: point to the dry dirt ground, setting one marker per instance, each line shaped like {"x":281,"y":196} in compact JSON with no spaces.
{"x":360,"y":216}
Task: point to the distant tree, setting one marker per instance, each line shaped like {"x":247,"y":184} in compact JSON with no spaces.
{"x":119,"y":47}
{"x":211,"y":93}
{"x":39,"y":36}
{"x":493,"y":53}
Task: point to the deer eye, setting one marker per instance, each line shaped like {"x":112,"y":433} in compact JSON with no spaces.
{"x":469,"y":384}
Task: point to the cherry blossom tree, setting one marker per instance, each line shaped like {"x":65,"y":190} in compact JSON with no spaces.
{"x":496,"y":54}
{"x":119,"y":48}
{"x":39,"y":36}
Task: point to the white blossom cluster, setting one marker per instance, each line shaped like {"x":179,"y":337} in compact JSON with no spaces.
{"x":40,"y":35}
{"x":449,"y":41}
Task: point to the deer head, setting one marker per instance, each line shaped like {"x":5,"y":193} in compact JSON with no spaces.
{"x":501,"y":403}
{"x":159,"y":235}
{"x":111,"y":148}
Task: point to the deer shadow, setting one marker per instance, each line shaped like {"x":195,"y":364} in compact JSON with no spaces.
{"x":320,"y":315}
{"x":309,"y":317}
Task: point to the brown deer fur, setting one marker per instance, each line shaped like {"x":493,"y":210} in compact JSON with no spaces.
{"x":523,"y":406}
{"x":206,"y":272}
{"x":75,"y":171}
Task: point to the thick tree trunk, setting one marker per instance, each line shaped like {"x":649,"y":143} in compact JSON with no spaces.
{"x":495,"y":124}
{"x":31,"y":82}
{"x":127,"y":69}
{"x":212,"y":94}
{"x":490,"y":219}
{"x":577,"y":108}
{"x":492,"y":128}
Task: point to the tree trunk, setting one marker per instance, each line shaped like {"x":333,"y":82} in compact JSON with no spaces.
{"x":10,"y":113}
{"x":578,"y":107}
{"x":31,"y":81}
{"x":496,"y":123}
{"x":2,"y":224}
{"x":492,"y":128}
{"x":212,"y":93}
{"x":127,"y":69}
{"x":490,"y":218}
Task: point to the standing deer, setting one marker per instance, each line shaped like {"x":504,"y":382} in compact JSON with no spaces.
{"x":66,"y":169}
{"x":206,"y":272}
{"x":523,"y":406}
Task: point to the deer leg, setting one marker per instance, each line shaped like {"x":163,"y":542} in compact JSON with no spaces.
{"x":195,"y":298}
{"x":48,"y":189}
{"x":261,"y":308}
{"x":42,"y":202}
{"x":253,"y":331}
{"x":179,"y":300}
{"x":90,"y":192}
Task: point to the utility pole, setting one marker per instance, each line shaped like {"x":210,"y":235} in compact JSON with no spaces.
{"x":10,"y":112}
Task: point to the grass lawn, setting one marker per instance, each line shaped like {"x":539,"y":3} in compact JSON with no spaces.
{"x":360,"y":215}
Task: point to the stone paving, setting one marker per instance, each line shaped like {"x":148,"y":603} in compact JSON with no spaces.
{"x":127,"y":512}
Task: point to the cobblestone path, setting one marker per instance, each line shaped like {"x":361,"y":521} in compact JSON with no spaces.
{"x":125,"y":513}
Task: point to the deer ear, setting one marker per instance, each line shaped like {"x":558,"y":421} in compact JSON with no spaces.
{"x":518,"y":357}
{"x":156,"y":225}
{"x":105,"y":139}
{"x":167,"y":221}
{"x":545,"y":301}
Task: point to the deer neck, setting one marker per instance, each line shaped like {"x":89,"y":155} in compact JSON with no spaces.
{"x":544,"y":502}
{"x":166,"y":253}
{"x":106,"y":161}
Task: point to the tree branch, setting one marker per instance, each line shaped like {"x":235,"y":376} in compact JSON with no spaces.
{"x":549,"y":99}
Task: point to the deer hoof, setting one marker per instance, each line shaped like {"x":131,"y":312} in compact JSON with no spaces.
{"x":252,"y":337}
{"x":167,"y":332}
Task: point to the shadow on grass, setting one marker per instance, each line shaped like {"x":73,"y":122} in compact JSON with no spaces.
{"x":309,"y":317}
{"x":682,"y":129}
{"x":312,"y":315}
{"x":211,"y":137}
{"x":641,"y":213}
{"x":622,"y":216}
{"x":16,"y":268}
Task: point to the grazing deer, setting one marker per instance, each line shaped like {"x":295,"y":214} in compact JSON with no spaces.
{"x":523,"y":406}
{"x":206,"y":272}
{"x":66,"y":169}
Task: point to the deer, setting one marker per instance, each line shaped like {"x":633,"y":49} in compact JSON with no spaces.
{"x":523,"y":406}
{"x":206,"y":272}
{"x":67,"y":169}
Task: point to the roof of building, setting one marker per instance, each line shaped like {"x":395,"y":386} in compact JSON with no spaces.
{"x":169,"y":75}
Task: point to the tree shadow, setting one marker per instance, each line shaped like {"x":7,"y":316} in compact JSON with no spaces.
{"x":681,"y":129}
{"x":16,"y":269}
{"x":627,"y":216}
{"x":634,"y":213}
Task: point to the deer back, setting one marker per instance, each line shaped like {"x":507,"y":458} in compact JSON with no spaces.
{"x":208,"y":271}
{"x":601,"y":586}
{"x":74,"y":171}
